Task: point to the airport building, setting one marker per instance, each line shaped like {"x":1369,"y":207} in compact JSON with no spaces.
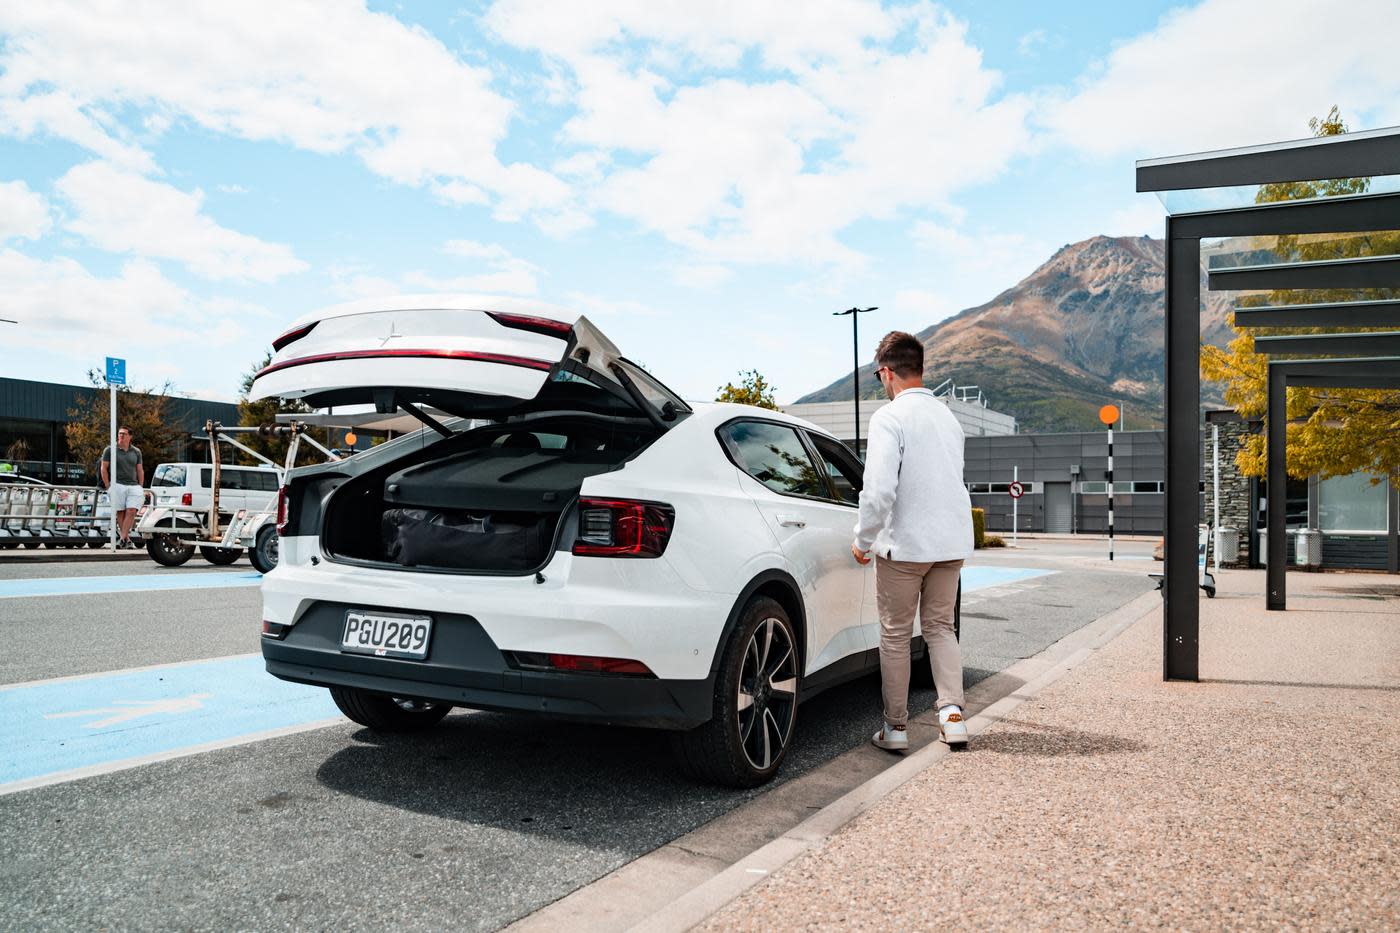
{"x":33,"y":415}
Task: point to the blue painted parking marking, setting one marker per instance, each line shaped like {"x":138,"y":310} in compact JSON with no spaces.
{"x":53,"y":729}
{"x":979,"y":578}
{"x":60,"y":726}
{"x":131,"y":583}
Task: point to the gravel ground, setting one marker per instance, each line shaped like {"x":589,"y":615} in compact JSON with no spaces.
{"x":1265,"y":796}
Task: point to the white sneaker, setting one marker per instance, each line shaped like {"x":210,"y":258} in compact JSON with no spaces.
{"x":951,"y":725}
{"x":891,"y":739}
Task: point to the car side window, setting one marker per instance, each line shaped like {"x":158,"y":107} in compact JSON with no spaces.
{"x":841,"y":466}
{"x":774,"y":455}
{"x":232,"y":479}
{"x":206,"y":478}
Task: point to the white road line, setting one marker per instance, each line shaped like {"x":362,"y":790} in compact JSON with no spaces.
{"x":124,"y":670}
{"x":63,"y":777}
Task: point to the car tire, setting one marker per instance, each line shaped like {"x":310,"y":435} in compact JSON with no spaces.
{"x":388,"y":714}
{"x":263,"y":554}
{"x":220,"y":556}
{"x":168,"y":550}
{"x":755,"y":688}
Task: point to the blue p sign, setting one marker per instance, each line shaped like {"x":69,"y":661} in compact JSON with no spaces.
{"x":116,"y":371}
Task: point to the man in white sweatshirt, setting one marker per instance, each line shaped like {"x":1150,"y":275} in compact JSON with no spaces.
{"x":916,"y":521}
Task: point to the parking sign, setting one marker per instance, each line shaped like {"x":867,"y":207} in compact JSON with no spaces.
{"x":116,"y":371}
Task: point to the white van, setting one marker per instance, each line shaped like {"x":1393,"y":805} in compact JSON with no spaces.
{"x":192,"y":484}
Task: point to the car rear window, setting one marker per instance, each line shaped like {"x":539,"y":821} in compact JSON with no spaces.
{"x":169,"y":474}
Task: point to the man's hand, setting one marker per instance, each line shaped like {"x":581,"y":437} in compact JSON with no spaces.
{"x":862,"y":557}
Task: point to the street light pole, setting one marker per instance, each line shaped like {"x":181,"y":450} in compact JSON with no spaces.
{"x":855,"y":361}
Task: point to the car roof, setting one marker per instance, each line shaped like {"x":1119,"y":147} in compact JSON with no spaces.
{"x":717,"y":413}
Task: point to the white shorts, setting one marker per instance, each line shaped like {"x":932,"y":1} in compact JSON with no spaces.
{"x":127,"y":497}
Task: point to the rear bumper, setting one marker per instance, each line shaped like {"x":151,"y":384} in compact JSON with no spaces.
{"x":464,"y":667}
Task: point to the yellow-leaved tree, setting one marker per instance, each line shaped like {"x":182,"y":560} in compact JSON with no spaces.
{"x":752,"y":389}
{"x":1331,"y":432}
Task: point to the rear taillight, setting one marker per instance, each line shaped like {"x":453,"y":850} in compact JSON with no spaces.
{"x":584,"y":664}
{"x":281,"y":510}
{"x":293,"y":335}
{"x":576,"y":663}
{"x":536,"y":325}
{"x":623,"y":528}
{"x":187,"y":499}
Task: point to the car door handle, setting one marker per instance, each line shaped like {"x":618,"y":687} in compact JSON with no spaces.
{"x":791,"y":521}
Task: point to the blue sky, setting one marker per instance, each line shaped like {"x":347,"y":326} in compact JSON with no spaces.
{"x":707,"y":181}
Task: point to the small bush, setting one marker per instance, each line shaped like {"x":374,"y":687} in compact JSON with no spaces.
{"x":979,"y":528}
{"x":993,"y":541}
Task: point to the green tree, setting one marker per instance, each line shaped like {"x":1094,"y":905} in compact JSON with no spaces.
{"x":752,"y":389}
{"x":144,"y":411}
{"x":1331,"y":432}
{"x":264,"y":412}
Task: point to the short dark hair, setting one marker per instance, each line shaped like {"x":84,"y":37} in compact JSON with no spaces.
{"x":122,"y":427}
{"x":902,"y":353}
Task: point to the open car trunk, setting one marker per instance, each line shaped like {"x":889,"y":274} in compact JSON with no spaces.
{"x":492,"y":500}
{"x":496,"y":500}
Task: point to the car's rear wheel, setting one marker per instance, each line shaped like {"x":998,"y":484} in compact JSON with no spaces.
{"x":263,"y":554}
{"x":168,"y":550}
{"x":220,"y":556}
{"x":388,"y":714}
{"x":755,"y":706}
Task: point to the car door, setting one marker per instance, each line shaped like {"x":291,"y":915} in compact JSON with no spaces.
{"x":846,"y":473}
{"x":813,"y":529}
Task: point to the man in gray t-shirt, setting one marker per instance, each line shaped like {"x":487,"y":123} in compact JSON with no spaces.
{"x":124,"y":485}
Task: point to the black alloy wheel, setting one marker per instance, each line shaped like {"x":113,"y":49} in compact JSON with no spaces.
{"x":384,"y":713}
{"x":169,"y":550}
{"x":755,"y":705}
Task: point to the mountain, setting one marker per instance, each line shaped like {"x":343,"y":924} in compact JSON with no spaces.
{"x":1082,"y":330}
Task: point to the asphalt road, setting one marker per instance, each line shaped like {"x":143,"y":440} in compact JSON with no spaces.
{"x":470,"y":827}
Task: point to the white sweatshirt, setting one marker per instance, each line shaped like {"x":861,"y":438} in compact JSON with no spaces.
{"x":913,"y":504}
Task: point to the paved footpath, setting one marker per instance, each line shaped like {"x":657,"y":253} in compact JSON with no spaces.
{"x":1266,"y":796}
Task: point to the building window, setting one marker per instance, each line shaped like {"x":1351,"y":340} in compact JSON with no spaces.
{"x":1352,"y":503}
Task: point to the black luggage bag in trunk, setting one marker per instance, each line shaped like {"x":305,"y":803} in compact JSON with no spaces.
{"x":433,"y":538}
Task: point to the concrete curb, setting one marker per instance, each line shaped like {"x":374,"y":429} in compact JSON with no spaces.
{"x":68,"y":555}
{"x":700,"y":902}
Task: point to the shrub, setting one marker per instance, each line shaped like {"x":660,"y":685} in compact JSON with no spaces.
{"x":979,"y":528}
{"x":993,"y":541}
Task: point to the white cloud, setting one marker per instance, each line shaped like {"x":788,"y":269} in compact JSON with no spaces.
{"x":24,"y":214}
{"x":703,"y":275}
{"x":1230,"y":73}
{"x":504,"y":271}
{"x":1145,"y":215}
{"x":60,"y":305}
{"x":999,"y":258}
{"x":60,"y":114}
{"x":326,"y":77}
{"x":861,"y":112}
{"x":596,"y":306}
{"x":123,"y":212}
{"x":928,"y":307}
{"x":491,"y":269}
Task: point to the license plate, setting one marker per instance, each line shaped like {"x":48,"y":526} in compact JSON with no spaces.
{"x":386,"y":636}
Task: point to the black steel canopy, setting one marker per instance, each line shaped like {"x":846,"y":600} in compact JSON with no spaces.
{"x":1351,"y":155}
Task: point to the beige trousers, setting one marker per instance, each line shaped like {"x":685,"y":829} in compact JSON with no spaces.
{"x":900,"y":587}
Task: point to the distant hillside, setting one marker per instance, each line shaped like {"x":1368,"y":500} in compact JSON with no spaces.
{"x":1083,"y":329}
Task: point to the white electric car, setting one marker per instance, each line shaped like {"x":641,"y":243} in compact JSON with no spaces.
{"x":600,"y":550}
